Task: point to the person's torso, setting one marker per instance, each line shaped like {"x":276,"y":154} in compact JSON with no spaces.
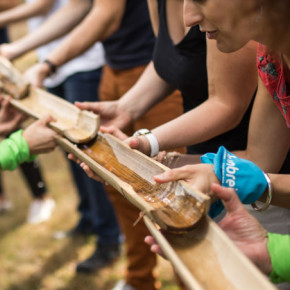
{"x":91,"y":59}
{"x":184,"y":66}
{"x":132,"y":45}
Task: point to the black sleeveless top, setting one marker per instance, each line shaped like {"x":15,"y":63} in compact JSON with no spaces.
{"x":132,"y":45}
{"x":184,"y":67}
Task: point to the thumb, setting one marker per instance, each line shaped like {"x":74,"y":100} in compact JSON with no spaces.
{"x":133,"y":142}
{"x":90,"y":106}
{"x":229,"y":197}
{"x":46,"y":119}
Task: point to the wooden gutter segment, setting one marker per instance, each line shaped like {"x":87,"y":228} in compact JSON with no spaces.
{"x":77,"y":125}
{"x":205,"y":258}
{"x":173,"y":206}
{"x":201,"y":253}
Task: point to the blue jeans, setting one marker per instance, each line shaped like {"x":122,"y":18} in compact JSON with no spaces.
{"x":97,"y":212}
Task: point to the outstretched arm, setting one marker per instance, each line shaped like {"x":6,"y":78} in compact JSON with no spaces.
{"x":22,"y":145}
{"x":67,"y":17}
{"x":232,"y":82}
{"x":24,"y":11}
{"x":101,"y":22}
{"x":148,"y":91}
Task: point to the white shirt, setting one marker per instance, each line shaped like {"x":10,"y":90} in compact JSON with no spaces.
{"x":91,"y":59}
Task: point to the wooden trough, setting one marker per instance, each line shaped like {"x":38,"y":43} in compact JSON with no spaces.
{"x":202,"y":255}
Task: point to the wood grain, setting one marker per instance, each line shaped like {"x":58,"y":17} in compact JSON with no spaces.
{"x":200,"y":252}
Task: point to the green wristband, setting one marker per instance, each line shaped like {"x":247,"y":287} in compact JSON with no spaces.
{"x":14,"y":151}
{"x":279,"y":250}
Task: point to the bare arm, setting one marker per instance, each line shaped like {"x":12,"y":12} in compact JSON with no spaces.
{"x":280,"y":190}
{"x":148,"y":91}
{"x":232,"y":83}
{"x":24,"y":11}
{"x":102,"y":21}
{"x":8,"y":4}
{"x":66,"y":18}
{"x":269,"y":138}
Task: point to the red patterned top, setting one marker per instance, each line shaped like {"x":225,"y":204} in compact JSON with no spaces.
{"x":270,"y":68}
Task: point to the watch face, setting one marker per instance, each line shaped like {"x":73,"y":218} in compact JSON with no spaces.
{"x":141,"y":132}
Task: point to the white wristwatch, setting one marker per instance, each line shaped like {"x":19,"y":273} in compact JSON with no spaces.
{"x":151,"y":138}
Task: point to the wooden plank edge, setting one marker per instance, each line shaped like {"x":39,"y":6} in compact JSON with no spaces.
{"x":248,"y":270}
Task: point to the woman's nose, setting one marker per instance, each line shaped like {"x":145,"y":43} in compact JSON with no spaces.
{"x":192,"y":13}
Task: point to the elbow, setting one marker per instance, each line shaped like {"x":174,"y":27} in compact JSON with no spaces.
{"x":234,"y":117}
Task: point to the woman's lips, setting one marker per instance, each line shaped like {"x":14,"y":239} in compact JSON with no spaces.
{"x":211,"y":34}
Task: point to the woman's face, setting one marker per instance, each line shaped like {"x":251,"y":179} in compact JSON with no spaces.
{"x":231,"y":22}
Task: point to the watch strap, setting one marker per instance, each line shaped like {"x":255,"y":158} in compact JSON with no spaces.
{"x":154,"y":145}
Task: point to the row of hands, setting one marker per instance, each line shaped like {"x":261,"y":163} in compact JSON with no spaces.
{"x":40,"y":139}
{"x":238,"y":224}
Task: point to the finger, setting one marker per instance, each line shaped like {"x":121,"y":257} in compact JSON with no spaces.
{"x":229,"y":197}
{"x":90,"y":106}
{"x":5,"y":102}
{"x":46,"y":119}
{"x":149,"y":240}
{"x":73,"y":158}
{"x":183,"y":172}
{"x":113,"y":130}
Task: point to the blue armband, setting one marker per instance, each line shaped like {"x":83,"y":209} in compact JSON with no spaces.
{"x":246,"y":178}
{"x":14,"y":151}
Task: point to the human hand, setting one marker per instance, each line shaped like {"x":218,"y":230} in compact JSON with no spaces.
{"x":10,"y":117}
{"x":154,"y":246}
{"x":113,"y":130}
{"x":37,"y":73}
{"x":8,"y":50}
{"x":199,"y":176}
{"x":90,"y":173}
{"x":39,"y":137}
{"x":109,"y":112}
{"x":243,"y":229}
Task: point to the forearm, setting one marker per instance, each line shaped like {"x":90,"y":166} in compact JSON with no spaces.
{"x":67,"y":18}
{"x":206,"y":121}
{"x":100,"y":23}
{"x":147,"y":92}
{"x":24,"y":11}
{"x":280,"y":184}
{"x":8,"y":4}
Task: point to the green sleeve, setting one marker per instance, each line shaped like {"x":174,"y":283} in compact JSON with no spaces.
{"x":14,"y":151}
{"x":279,"y":250}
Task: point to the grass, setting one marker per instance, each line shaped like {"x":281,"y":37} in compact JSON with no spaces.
{"x":30,"y":257}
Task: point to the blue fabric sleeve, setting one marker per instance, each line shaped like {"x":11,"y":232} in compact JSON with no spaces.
{"x":246,"y":178}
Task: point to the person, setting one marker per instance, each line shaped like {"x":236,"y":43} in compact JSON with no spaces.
{"x":125,"y":31}
{"x":262,"y":149}
{"x":268,"y":118}
{"x":42,"y":204}
{"x":22,"y":145}
{"x":76,"y":80}
{"x":118,"y":113}
{"x":270,"y":252}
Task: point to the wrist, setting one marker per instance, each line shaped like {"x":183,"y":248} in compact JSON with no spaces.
{"x":9,"y":51}
{"x":154,"y":146}
{"x":50,"y":67}
{"x":127,"y":110}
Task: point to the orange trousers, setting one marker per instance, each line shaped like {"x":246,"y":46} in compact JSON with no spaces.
{"x":140,"y":260}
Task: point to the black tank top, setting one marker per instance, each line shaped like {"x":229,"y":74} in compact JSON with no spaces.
{"x":132,"y":45}
{"x":184,"y":67}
